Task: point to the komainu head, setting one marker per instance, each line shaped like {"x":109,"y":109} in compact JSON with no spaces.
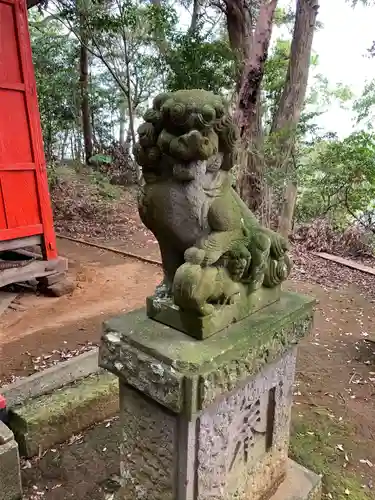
{"x":183,"y":127}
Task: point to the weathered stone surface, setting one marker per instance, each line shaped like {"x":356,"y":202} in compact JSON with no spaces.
{"x":299,"y":484}
{"x":236,"y":448}
{"x":187,"y":375}
{"x":148,"y":448}
{"x":63,"y":287}
{"x":243,"y":440}
{"x":215,"y":253}
{"x":149,"y":375}
{"x":53,"y":418}
{"x":6,"y":434}
{"x":202,"y":327}
{"x":10,"y":476}
{"x":50,"y":379}
{"x":207,"y":419}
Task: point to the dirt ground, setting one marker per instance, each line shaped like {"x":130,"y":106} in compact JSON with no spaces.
{"x":43,"y":329}
{"x":335,"y":381}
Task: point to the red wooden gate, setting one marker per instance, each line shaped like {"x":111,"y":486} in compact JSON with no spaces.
{"x":25,"y":208}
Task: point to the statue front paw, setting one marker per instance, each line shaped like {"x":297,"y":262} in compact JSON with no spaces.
{"x":194,"y":255}
{"x":238,"y":267}
{"x":204,"y":258}
{"x":206,"y":309}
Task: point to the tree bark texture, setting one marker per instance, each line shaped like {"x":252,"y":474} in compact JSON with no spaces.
{"x":247,"y":107}
{"x":287,"y":211}
{"x":239,"y":26}
{"x":291,"y":103}
{"x":84,"y":84}
{"x":289,"y":110}
{"x":254,"y":50}
{"x":122,"y":120}
{"x":128,"y":84}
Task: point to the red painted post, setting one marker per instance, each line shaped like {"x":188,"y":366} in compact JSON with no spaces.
{"x":25,"y":205}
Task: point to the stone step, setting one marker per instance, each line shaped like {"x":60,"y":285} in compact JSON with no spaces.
{"x":52,"y":418}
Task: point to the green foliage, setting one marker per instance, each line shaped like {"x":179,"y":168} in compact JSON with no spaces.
{"x":337,"y":179}
{"x":104,"y":98}
{"x":322,"y":93}
{"x":365,"y":105}
{"x":53,"y":177}
{"x":276,"y":68}
{"x":104,"y":188}
{"x":196,"y":61}
{"x":53,"y":53}
{"x":101,"y":159}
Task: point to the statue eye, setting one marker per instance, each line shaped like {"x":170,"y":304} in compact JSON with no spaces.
{"x":178,"y":113}
{"x":208,"y":113}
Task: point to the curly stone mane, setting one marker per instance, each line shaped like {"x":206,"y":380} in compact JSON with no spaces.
{"x":184,"y":126}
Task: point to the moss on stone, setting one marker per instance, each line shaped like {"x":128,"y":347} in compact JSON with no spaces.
{"x":52,"y":418}
{"x":239,"y":351}
{"x":187,"y":125}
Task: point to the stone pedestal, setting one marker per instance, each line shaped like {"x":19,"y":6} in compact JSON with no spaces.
{"x":209,"y":420}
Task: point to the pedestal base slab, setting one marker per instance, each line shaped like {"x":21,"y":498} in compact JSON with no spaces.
{"x":202,"y":327}
{"x":299,"y":484}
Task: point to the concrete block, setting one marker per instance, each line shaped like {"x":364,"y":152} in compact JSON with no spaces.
{"x":299,"y":484}
{"x":50,"y":379}
{"x":53,"y":418}
{"x":10,"y":475}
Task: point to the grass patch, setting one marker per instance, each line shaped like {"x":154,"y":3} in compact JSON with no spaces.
{"x":105,"y":189}
{"x":314,"y":441}
{"x":84,"y":176}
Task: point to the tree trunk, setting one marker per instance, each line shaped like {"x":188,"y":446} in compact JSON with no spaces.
{"x":197,"y":4}
{"x":122,"y":121}
{"x":128,"y":93}
{"x":248,"y":112}
{"x":289,"y":203}
{"x":292,"y":99}
{"x":128,"y":141}
{"x":248,"y":99}
{"x":63,"y":145}
{"x":239,"y":25}
{"x":84,"y":85}
{"x":250,"y":163}
{"x":291,"y":103}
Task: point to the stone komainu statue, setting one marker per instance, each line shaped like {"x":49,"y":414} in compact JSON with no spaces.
{"x":216,"y":256}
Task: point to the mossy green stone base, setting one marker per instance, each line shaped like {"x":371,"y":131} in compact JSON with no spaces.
{"x":209,"y":418}
{"x":187,"y":375}
{"x":202,"y":327}
{"x":52,"y":418}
